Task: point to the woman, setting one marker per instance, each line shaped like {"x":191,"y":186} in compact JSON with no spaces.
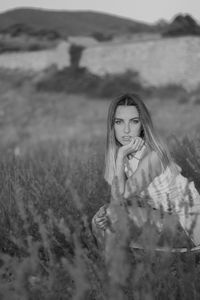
{"x":142,"y":166}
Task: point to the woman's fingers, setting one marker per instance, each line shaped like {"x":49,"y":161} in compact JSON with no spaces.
{"x":103,"y":227}
{"x":101,"y":219}
{"x":139,"y":142}
{"x":134,"y":145}
{"x":101,"y":222}
{"x":101,"y":212}
{"x":137,"y":145}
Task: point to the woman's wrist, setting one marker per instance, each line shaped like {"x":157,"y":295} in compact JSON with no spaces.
{"x":119,"y":165}
{"x":120,"y":158}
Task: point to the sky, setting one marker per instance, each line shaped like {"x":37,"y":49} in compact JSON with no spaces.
{"x":149,"y":11}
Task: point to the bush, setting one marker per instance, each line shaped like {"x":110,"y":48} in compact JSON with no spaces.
{"x":81,"y":81}
{"x":7,"y":47}
{"x":75,"y":52}
{"x":76,"y":80}
{"x":170,"y":91}
{"x":182,"y":25}
{"x":101,"y":37}
{"x":197,"y":101}
{"x":19,"y":29}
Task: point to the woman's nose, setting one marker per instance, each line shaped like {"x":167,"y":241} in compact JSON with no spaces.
{"x":126,"y":128}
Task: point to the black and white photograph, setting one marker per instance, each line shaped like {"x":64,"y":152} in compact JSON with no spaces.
{"x":100,"y":150}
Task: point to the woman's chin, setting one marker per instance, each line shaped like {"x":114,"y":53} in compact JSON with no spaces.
{"x":123,"y":142}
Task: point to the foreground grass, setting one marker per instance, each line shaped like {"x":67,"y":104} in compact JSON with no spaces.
{"x":48,"y":198}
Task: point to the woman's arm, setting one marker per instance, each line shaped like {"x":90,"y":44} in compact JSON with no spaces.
{"x":135,"y":145}
{"x":149,"y":167}
{"x":120,"y":173}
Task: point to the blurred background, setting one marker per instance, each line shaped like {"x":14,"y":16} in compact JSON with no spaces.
{"x":61,"y":63}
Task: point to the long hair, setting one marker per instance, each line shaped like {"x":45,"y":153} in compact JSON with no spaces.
{"x":148,"y":133}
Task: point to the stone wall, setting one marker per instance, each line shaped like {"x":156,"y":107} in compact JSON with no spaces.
{"x":37,"y":60}
{"x":158,"y":62}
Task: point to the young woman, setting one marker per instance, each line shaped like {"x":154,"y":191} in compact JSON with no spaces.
{"x":143,"y":166}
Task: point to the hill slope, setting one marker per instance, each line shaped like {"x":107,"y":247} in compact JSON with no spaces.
{"x":73,"y":23}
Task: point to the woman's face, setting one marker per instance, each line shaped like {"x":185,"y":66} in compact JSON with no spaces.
{"x":127,"y":124}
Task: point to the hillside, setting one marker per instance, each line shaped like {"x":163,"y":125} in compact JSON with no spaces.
{"x":73,"y":23}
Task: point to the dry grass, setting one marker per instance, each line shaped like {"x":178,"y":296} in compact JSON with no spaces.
{"x":50,"y":192}
{"x":28,"y":116}
{"x":48,"y":198}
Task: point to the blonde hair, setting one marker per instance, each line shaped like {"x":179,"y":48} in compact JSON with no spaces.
{"x":148,"y":133}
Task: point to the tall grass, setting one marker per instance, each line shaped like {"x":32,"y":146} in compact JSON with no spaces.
{"x":48,"y":198}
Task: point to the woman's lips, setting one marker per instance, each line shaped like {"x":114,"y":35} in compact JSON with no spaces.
{"x":126,"y":138}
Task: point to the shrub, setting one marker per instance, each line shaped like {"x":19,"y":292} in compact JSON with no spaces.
{"x":197,"y":101}
{"x":170,"y":91}
{"x":7,"y":47}
{"x":77,"y":80}
{"x":75,"y":52}
{"x":183,"y":99}
{"x":17,"y":29}
{"x":182,"y":25}
{"x":101,"y":37}
{"x":81,"y":81}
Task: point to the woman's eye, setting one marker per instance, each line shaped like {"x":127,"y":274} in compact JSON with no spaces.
{"x":117,"y":121}
{"x":135,"y":121}
{"x":132,"y":121}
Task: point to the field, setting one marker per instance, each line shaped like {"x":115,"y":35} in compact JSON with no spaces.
{"x":51,"y":168}
{"x":28,"y":115}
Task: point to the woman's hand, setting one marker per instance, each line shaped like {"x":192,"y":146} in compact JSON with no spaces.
{"x":100,"y":219}
{"x":134,"y":146}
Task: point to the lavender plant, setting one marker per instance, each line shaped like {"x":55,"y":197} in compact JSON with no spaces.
{"x":47,"y":249}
